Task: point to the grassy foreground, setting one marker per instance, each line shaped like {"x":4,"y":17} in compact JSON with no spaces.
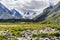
{"x":16,"y":28}
{"x":28,"y":26}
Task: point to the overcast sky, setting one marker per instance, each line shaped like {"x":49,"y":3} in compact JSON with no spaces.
{"x":23,"y":5}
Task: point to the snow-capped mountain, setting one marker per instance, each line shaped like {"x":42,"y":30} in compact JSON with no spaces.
{"x":4,"y":12}
{"x":23,"y":5}
{"x":16,"y":14}
{"x":36,"y":10}
{"x":29,"y":14}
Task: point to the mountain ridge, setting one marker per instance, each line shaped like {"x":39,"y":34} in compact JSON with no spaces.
{"x":48,"y":13}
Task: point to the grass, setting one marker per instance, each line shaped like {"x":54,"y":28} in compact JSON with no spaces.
{"x":28,"y":26}
{"x":46,"y":35}
{"x":16,"y":29}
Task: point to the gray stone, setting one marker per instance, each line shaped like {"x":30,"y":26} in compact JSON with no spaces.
{"x":35,"y":32}
{"x":46,"y":39}
{"x":22,"y":38}
{"x":7,"y":33}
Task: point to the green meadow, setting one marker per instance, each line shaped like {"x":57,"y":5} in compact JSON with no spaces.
{"x":18,"y":27}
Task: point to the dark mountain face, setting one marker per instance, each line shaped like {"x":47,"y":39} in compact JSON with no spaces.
{"x":57,"y":7}
{"x":44,"y":14}
{"x":49,"y":12}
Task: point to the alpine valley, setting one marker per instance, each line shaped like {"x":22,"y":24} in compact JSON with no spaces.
{"x":51,"y":14}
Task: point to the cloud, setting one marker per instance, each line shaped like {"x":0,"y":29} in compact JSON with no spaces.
{"x":54,"y":1}
{"x":23,"y":5}
{"x":35,"y":5}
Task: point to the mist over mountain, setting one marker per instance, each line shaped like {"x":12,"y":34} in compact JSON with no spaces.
{"x":50,"y":14}
{"x":34,"y":5}
{"x":33,"y":9}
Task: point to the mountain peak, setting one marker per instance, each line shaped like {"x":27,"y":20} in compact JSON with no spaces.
{"x":1,"y":4}
{"x":16,"y":14}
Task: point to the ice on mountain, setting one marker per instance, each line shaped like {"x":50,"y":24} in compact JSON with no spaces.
{"x":4,"y":12}
{"x":16,"y":14}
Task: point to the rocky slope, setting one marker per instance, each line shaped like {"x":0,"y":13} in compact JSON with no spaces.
{"x":51,"y":13}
